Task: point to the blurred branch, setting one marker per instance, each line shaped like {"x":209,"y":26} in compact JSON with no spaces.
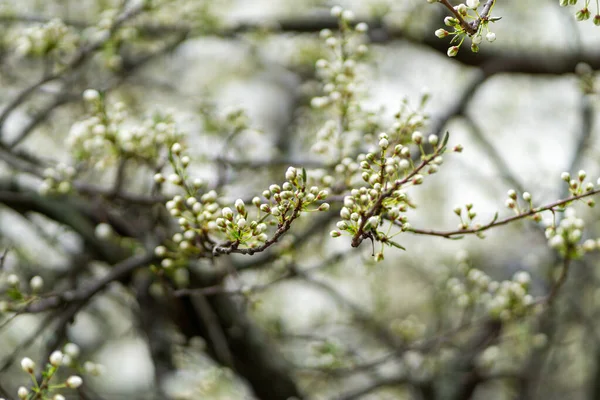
{"x":85,"y":293}
{"x":459,"y":107}
{"x":78,"y":59}
{"x":253,"y":354}
{"x":495,"y":157}
{"x":527,"y":61}
{"x":387,"y":382}
{"x":360,"y":315}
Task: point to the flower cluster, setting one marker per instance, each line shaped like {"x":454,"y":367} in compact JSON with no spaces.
{"x":52,"y":38}
{"x":113,"y":39}
{"x":584,"y":13}
{"x":57,"y":180}
{"x":208,"y":228}
{"x":409,"y":329}
{"x":47,"y":388}
{"x":16,"y":294}
{"x":102,"y":138}
{"x":341,"y":82}
{"x":477,"y":291}
{"x":567,"y":236}
{"x":467,"y":217}
{"x":388,"y":172}
{"x":579,"y":186}
{"x":467,"y":21}
{"x":203,"y":16}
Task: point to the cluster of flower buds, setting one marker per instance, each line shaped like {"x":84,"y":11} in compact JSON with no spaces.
{"x":409,"y":329}
{"x":388,"y":172}
{"x":567,"y":237}
{"x":101,"y":139}
{"x":463,"y":27}
{"x":341,"y":78}
{"x":53,"y":37}
{"x":47,"y":388}
{"x":203,"y":220}
{"x":578,"y":186}
{"x":467,"y":218}
{"x":513,"y":203}
{"x":57,"y":180}
{"x":476,"y":290}
{"x":329,"y":353}
{"x":18,"y":294}
{"x":584,"y":13}
{"x":202,"y":16}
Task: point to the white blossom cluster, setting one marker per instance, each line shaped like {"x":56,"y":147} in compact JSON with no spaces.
{"x":409,"y":328}
{"x":17,"y":294}
{"x":342,"y":82}
{"x":204,"y":16}
{"x":468,"y":12}
{"x":567,"y":236}
{"x":53,"y":37}
{"x":101,"y":31}
{"x":47,"y":387}
{"x":387,"y":173}
{"x":203,"y":221}
{"x":504,"y":300}
{"x":57,"y":179}
{"x":579,"y":186}
{"x":103,"y":138}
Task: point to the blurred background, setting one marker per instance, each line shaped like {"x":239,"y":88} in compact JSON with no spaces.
{"x":311,"y":317}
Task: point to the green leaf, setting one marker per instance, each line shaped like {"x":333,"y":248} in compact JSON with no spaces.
{"x":494,"y":19}
{"x":495,"y":218}
{"x":445,"y":139}
{"x":303,"y":175}
{"x":396,"y":245}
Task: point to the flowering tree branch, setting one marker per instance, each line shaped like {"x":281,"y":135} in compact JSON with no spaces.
{"x":453,"y":234}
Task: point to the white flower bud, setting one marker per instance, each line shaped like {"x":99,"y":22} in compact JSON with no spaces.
{"x":36,"y":283}
{"x":160,"y":251}
{"x":417,"y":137}
{"x":472,"y":4}
{"x":347,"y":15}
{"x":12,"y":280}
{"x":361,"y":27}
{"x":103,"y":231}
{"x":72,"y":350}
{"x":291,"y":173}
{"x":176,"y":148}
{"x":441,"y":33}
{"x":27,"y":365}
{"x":336,"y":11}
{"x":227,"y":213}
{"x":22,"y":392}
{"x":159,"y":178}
{"x":522,"y":277}
{"x":56,"y":358}
{"x":74,"y":382}
{"x":90,"y":95}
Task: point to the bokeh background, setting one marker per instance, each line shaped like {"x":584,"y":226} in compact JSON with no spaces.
{"x":523,"y":108}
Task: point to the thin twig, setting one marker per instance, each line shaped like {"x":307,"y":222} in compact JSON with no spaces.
{"x":476,"y":230}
